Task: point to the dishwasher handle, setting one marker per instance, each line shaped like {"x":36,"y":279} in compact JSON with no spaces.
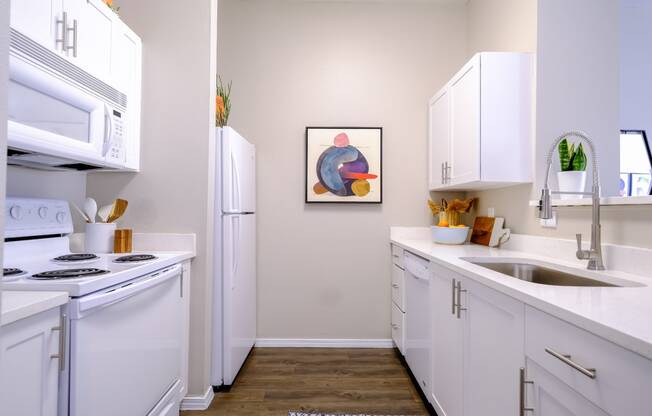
{"x":127,"y":290}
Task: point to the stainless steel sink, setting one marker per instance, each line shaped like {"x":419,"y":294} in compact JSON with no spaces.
{"x":541,"y":275}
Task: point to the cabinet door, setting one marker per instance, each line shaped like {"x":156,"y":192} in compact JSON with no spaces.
{"x":549,"y":396}
{"x":494,"y":343}
{"x":37,"y":19}
{"x":465,"y":124}
{"x":28,"y":373}
{"x":93,"y":38}
{"x":446,"y":346}
{"x":439,"y":137}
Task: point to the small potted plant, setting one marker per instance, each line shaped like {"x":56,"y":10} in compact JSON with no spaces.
{"x":222,"y":103}
{"x":449,"y":228}
{"x":572,"y":177}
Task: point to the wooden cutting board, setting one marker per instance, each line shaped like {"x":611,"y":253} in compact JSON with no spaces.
{"x":483,"y":227}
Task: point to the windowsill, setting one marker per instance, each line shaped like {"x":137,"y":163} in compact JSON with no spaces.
{"x":612,"y":200}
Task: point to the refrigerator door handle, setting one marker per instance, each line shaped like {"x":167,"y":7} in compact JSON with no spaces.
{"x":235,"y":185}
{"x":236,"y":248}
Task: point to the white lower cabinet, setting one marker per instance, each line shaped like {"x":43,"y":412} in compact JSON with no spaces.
{"x":605,"y":375}
{"x":398,"y":328}
{"x":492,"y":355}
{"x":549,"y":396}
{"x":29,"y":367}
{"x":477,"y":347}
{"x":447,"y":381}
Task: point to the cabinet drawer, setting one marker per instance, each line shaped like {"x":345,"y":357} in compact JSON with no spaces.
{"x":619,"y":374}
{"x":398,"y":328}
{"x":398,"y":287}
{"x":397,"y":256}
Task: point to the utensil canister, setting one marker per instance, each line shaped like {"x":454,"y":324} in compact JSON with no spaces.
{"x":99,"y":237}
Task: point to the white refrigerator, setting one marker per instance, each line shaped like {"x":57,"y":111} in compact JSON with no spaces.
{"x":234,"y":272}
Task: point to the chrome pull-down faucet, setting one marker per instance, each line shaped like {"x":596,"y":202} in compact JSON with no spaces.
{"x":594,"y":254}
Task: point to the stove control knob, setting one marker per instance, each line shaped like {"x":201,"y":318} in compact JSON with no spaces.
{"x":61,"y":217}
{"x":16,"y":212}
{"x":43,"y":212}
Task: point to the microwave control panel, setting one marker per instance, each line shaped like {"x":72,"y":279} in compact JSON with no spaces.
{"x":117,"y":151}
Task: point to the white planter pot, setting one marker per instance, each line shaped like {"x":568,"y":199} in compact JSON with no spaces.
{"x":574,"y":181}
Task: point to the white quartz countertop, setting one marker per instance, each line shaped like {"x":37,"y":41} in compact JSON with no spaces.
{"x":17,"y":305}
{"x":622,"y":315}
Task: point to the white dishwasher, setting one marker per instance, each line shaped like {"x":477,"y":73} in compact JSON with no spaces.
{"x":417,"y":326}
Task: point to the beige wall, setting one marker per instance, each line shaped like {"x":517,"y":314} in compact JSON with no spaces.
{"x":170,"y":194}
{"x":323,"y":269}
{"x":501,"y":26}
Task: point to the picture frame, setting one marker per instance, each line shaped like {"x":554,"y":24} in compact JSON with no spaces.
{"x":343,"y":165}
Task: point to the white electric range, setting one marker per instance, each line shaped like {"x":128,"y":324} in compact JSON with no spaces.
{"x":122,"y":326}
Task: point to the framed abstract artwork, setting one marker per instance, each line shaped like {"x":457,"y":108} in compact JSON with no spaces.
{"x":344,"y":165}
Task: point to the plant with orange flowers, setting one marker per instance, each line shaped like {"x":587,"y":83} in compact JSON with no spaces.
{"x":110,"y":4}
{"x":449,"y":213}
{"x":222,"y":103}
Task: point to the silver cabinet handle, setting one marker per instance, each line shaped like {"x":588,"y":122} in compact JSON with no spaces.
{"x":74,"y":38}
{"x":61,"y":355}
{"x":521,"y":388}
{"x":443,"y":173}
{"x":459,"y":300}
{"x":395,"y":286}
{"x":394,"y":326}
{"x":566,"y":359}
{"x":449,"y":168}
{"x":63,"y":40}
{"x":453,"y":286}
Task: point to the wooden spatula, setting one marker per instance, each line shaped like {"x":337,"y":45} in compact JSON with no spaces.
{"x":118,"y":209}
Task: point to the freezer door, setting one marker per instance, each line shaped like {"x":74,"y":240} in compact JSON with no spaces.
{"x":238,"y":173}
{"x":238,"y":291}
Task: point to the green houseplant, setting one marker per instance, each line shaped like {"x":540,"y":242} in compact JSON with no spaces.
{"x":572,"y":175}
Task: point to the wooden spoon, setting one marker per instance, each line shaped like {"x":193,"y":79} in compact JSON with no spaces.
{"x":118,"y":210}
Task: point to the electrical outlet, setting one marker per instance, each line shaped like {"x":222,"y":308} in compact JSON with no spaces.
{"x":491,"y":212}
{"x":551,"y":223}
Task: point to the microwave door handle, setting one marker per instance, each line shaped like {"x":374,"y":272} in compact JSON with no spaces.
{"x":108,"y":131}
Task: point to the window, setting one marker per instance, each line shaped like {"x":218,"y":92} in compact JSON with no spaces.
{"x":635,"y":163}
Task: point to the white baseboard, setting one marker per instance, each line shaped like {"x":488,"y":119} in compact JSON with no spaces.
{"x":198,"y":402}
{"x":323,"y":343}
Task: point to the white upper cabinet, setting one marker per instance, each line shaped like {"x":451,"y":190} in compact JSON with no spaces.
{"x":481,"y":124}
{"x":85,"y":32}
{"x":439,"y":127}
{"x":94,"y":36}
{"x":37,"y":19}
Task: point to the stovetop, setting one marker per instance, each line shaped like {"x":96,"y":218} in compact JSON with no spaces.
{"x":44,"y":270}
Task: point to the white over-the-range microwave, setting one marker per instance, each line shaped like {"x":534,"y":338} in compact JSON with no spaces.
{"x":60,"y":116}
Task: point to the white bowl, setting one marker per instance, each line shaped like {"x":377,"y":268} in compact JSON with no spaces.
{"x":447,"y":235}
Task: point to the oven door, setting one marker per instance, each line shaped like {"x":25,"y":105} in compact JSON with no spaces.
{"x":51,"y":115}
{"x":125,"y":346}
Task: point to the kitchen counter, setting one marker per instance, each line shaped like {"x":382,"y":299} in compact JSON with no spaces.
{"x":622,"y":315}
{"x":17,"y":305}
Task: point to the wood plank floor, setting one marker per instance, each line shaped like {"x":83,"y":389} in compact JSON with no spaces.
{"x":276,"y":380}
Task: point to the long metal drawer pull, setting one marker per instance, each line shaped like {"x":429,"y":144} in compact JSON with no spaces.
{"x":453,"y":285}
{"x":394,"y":326}
{"x":395,"y":286}
{"x":522,"y":382}
{"x":61,"y":355}
{"x":459,"y":300}
{"x":566,"y":359}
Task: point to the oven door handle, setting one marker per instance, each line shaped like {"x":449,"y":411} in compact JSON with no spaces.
{"x":127,"y":290}
{"x":108,"y":131}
